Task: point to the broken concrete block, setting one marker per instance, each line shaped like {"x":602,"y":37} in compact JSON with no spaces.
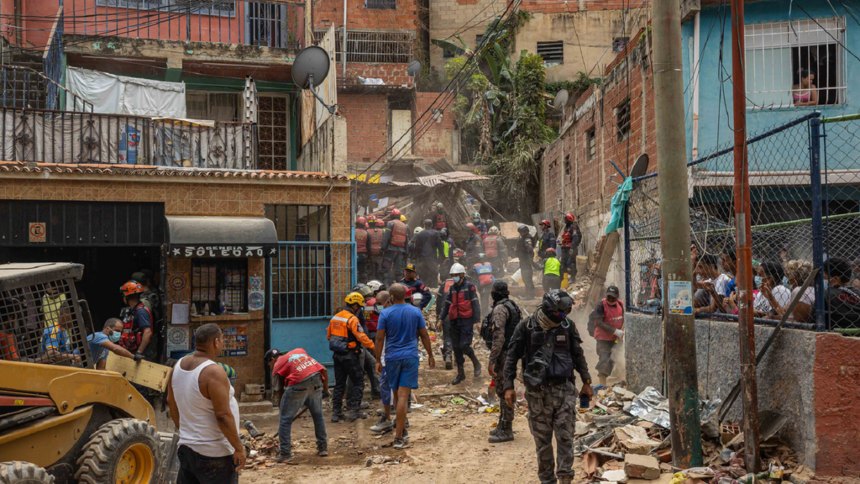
{"x":635,"y":439}
{"x":615,"y":476}
{"x":641,"y":467}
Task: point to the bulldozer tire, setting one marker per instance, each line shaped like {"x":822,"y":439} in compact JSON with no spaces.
{"x":122,"y":451}
{"x":18,"y":472}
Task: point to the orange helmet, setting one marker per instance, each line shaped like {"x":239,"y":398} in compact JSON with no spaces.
{"x":569,"y":216}
{"x":131,"y":288}
{"x":361,"y":222}
{"x":395,"y":212}
{"x":545,"y":223}
{"x":380,"y":223}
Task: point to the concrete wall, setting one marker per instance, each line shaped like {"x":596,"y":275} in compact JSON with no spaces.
{"x":811,"y":378}
{"x":760,"y":120}
{"x":438,"y":140}
{"x":367,"y":124}
{"x":587,"y":37}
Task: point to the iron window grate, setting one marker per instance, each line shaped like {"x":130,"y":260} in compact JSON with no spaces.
{"x":219,"y":286}
{"x":380,"y":4}
{"x":552,"y":52}
{"x":622,"y":120}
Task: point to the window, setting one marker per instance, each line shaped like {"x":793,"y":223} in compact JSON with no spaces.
{"x":552,"y":52}
{"x":622,"y":120}
{"x":203,"y":7}
{"x":590,"y":144}
{"x":300,"y":222}
{"x":619,"y":44}
{"x":380,"y":4}
{"x":219,"y":286}
{"x":567,"y":167}
{"x":373,"y":45}
{"x":217,"y":106}
{"x":273,"y":128}
{"x":797,"y":63}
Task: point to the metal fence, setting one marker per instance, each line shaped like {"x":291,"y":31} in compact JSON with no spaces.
{"x":260,"y":24}
{"x":36,"y":135}
{"x":805,"y":199}
{"x":309,"y":280}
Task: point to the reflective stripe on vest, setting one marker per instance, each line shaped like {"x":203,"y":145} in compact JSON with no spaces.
{"x":485,"y":273}
{"x":552,"y":266}
{"x":446,"y":247}
{"x":461,"y":306}
{"x":338,"y":327}
{"x":361,"y":241}
{"x":613,"y":316}
{"x":491,"y":246}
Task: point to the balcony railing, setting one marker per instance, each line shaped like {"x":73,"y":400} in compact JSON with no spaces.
{"x":262,"y":24}
{"x":37,"y":135}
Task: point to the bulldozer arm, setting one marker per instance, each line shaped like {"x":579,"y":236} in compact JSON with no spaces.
{"x":47,"y":440}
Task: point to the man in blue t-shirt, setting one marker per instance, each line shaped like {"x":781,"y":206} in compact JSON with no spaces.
{"x":106,"y":341}
{"x":399,"y":327}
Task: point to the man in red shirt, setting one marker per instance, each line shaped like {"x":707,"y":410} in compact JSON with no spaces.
{"x":305,"y":380}
{"x":607,"y":321}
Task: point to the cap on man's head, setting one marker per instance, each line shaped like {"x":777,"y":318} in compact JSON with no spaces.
{"x":612,"y":291}
{"x":138,"y":277}
{"x":410,"y":267}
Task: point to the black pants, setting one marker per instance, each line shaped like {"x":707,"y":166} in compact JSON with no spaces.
{"x":347,"y":366}
{"x":462,"y":331}
{"x":428,"y":270}
{"x":195,"y":468}
{"x":363,"y":263}
{"x":527,"y":275}
{"x":568,"y":261}
{"x":551,"y":281}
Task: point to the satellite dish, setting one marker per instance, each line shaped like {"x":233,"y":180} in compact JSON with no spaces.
{"x":310,"y":67}
{"x":414,"y":68}
{"x":560,"y":100}
{"x":640,"y":166}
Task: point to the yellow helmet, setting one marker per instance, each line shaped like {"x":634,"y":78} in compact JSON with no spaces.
{"x":354,"y":298}
{"x":403,"y":218}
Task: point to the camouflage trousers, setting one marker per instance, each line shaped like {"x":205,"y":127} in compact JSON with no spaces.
{"x":551,"y":410}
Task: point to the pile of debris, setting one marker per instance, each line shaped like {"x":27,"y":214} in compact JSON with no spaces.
{"x":625,"y":436}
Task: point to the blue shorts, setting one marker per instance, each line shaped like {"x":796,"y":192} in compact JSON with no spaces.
{"x":402,"y":373}
{"x":384,"y":391}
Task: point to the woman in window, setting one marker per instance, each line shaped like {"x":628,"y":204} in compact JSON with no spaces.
{"x":805,"y":93}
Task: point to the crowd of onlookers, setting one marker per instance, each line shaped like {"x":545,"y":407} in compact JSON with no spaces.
{"x":776,"y":283}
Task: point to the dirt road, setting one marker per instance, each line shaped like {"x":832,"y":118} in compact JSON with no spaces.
{"x":448,"y":440}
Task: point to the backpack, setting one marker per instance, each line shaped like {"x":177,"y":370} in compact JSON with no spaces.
{"x":487,"y":327}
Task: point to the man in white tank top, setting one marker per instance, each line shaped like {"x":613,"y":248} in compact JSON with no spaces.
{"x":204,"y":409}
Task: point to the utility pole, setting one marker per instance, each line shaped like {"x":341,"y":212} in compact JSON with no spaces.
{"x":679,"y":335}
{"x":743,"y":276}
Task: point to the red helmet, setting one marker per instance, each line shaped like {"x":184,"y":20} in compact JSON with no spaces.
{"x":569,"y":216}
{"x":131,"y":288}
{"x":472,"y":227}
{"x":395,"y":212}
{"x":361,"y":221}
{"x":459,"y":253}
{"x":545,"y":223}
{"x":550,"y":251}
{"x":380,"y":222}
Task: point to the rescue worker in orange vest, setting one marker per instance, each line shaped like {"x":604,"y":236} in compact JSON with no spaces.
{"x":570,"y":239}
{"x":137,"y":323}
{"x":362,"y":243}
{"x":606,"y":324}
{"x":461,"y":310}
{"x":375,"y":239}
{"x":483,"y":273}
{"x":395,"y":246}
{"x":438,"y":216}
{"x":496,"y":251}
{"x":345,"y":339}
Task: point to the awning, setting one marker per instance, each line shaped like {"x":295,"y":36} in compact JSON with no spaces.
{"x":221,"y":236}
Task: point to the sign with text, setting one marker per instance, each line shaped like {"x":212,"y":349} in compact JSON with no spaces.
{"x":38,"y":232}
{"x":239,"y":250}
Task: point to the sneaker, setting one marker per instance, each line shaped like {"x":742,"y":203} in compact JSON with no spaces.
{"x":285,"y":459}
{"x":401,"y":443}
{"x":382,"y":426}
{"x":322,"y":453}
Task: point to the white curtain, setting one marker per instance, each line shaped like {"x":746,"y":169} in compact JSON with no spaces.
{"x":112,"y":94}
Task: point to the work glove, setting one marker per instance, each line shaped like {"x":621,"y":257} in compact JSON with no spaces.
{"x":138,"y":357}
{"x":619,"y":334}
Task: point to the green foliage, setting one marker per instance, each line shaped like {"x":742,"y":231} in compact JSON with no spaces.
{"x":574,"y":87}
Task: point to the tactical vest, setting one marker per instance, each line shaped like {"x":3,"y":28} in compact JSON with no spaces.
{"x":548,"y":359}
{"x":361,"y":237}
{"x":487,"y":326}
{"x":131,"y":336}
{"x":491,"y":246}
{"x":399,"y":232}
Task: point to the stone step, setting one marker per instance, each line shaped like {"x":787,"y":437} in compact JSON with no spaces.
{"x":256,"y":407}
{"x":263,"y":421}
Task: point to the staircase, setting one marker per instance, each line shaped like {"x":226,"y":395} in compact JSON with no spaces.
{"x":264,"y":415}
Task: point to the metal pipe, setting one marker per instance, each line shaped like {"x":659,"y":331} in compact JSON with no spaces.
{"x":743,"y":231}
{"x":695,"y":74}
{"x":817,"y":220}
{"x":679,"y":337}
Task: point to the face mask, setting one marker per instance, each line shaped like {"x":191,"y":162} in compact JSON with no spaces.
{"x":115,"y":337}
{"x":786,"y":283}
{"x":458,"y":279}
{"x":758,"y":280}
{"x":826,"y":284}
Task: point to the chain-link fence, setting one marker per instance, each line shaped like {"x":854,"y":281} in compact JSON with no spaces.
{"x":804,"y":191}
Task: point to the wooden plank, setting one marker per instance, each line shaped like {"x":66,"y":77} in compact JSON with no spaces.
{"x":144,"y":373}
{"x":606,"y":249}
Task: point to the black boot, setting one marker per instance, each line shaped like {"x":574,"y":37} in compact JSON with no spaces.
{"x":498,"y":426}
{"x":449,"y":365}
{"x":504,"y":434}
{"x":460,"y":378}
{"x":477,"y":365}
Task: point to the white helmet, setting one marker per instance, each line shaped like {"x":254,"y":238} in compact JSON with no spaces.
{"x":417,"y":298}
{"x":375,"y":285}
{"x":457,"y":269}
{"x":418,"y":230}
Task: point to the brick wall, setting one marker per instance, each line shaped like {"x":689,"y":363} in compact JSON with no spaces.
{"x":393,"y":74}
{"x":549,"y":6}
{"x":437,"y":141}
{"x":367,"y":122}
{"x":330,"y":12}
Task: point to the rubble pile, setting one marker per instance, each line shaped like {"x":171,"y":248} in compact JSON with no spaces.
{"x":623,"y":436}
